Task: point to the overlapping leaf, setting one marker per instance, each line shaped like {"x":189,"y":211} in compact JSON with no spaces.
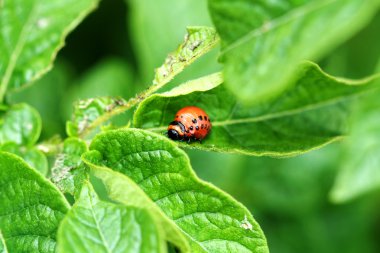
{"x":123,"y":190}
{"x":311,"y":112}
{"x":263,"y":43}
{"x":31,"y":33}
{"x":97,"y":226}
{"x":30,"y":207}
{"x":210,"y":219}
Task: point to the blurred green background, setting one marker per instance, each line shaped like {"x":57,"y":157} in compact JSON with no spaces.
{"x":114,"y":52}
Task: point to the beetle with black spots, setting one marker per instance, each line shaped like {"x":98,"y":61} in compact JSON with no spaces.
{"x":191,"y":123}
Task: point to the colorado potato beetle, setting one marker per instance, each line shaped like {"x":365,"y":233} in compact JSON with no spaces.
{"x":191,"y":123}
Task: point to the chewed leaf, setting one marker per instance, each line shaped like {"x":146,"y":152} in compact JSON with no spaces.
{"x":309,"y":113}
{"x":67,"y":173}
{"x":263,"y":42}
{"x":31,"y":207}
{"x":97,"y":226}
{"x":198,"y":41}
{"x":88,"y":111}
{"x":211,"y":220}
{"x":31,"y":33}
{"x":20,"y":124}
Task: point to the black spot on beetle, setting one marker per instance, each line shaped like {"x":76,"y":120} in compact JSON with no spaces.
{"x":194,"y":121}
{"x":205,"y":118}
{"x":202,"y":126}
{"x":191,"y":128}
{"x":200,"y":118}
{"x":197,"y":127}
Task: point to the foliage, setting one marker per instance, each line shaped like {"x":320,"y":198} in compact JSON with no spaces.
{"x":115,"y":183}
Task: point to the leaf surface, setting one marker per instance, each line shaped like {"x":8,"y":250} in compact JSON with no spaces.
{"x":31,"y":33}
{"x":210,"y":219}
{"x":97,"y":226}
{"x":263,"y":43}
{"x":31,"y":208}
{"x":311,"y":112}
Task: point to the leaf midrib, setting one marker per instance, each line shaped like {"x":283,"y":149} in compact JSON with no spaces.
{"x":277,"y":22}
{"x":276,"y":115}
{"x":106,"y":246}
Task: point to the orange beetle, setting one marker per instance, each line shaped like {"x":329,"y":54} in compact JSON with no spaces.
{"x":190,"y":123}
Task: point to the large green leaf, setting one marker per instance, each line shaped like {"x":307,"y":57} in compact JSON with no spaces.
{"x":20,"y":124}
{"x":30,"y":207}
{"x":211,"y":220}
{"x":360,"y":167}
{"x":31,"y":33}
{"x":262,"y":43}
{"x":96,"y":226}
{"x":309,"y":113}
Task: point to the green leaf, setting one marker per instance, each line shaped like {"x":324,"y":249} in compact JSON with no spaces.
{"x":310,"y":113}
{"x":31,"y":155}
{"x":30,"y":207}
{"x":31,"y":33}
{"x":20,"y":124}
{"x":262,"y":43}
{"x":96,"y":226}
{"x":67,"y":173}
{"x":198,"y":41}
{"x":359,"y":173}
{"x":87,"y":112}
{"x":210,"y":219}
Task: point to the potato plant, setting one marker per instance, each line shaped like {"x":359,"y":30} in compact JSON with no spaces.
{"x":114,"y":182}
